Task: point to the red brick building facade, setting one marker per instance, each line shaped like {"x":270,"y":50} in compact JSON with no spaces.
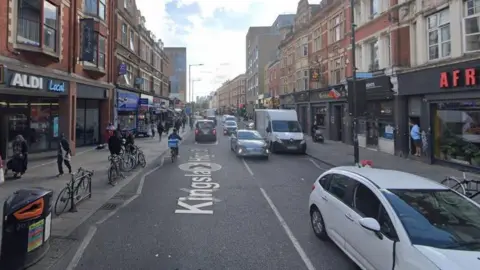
{"x":46,"y":89}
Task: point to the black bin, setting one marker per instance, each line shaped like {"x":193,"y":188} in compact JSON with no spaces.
{"x":26,"y":228}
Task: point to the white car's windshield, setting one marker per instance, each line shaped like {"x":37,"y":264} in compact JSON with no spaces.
{"x":286,"y":126}
{"x":437,"y":218}
{"x":230,"y":119}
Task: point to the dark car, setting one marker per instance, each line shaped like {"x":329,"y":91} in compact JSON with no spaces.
{"x":205,"y":131}
{"x":230,"y":127}
{"x":249,"y":143}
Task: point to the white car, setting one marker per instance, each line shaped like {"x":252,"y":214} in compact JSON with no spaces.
{"x":385,"y":219}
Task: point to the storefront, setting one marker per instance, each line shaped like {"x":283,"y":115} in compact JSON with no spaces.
{"x":302,"y":100}
{"x":144,"y":114}
{"x":90,"y":118}
{"x":329,"y":111}
{"x":287,"y":102}
{"x":445,"y":103}
{"x":127,"y":109}
{"x":30,"y":106}
{"x":376,"y":126}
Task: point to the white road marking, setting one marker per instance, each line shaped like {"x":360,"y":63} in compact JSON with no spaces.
{"x":78,"y":255}
{"x":188,"y":191}
{"x":290,"y":235}
{"x":316,"y":165}
{"x":248,"y":167}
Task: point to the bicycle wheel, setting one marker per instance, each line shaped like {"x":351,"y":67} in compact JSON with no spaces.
{"x":126,"y":163}
{"x":454,"y":184}
{"x":112,"y":175}
{"x":173,"y":155}
{"x":141,"y":160}
{"x":63,"y":200}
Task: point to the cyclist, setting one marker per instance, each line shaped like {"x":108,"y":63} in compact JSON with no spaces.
{"x":115,"y":143}
{"x":191,"y":122}
{"x":129,"y":142}
{"x":175,"y":136}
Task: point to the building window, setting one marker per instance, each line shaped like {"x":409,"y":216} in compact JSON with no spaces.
{"x":472,"y":25}
{"x":124,"y":35}
{"x":30,"y":28}
{"x":147,"y":83}
{"x":125,"y":4}
{"x":129,"y":74}
{"x":388,"y":51}
{"x":305,"y":49}
{"x":335,"y":32}
{"x":438,"y":26}
{"x":456,"y":131}
{"x":374,"y":59}
{"x":317,"y":40}
{"x":337,"y":70}
{"x":374,"y":7}
{"x":305,"y":80}
{"x":95,"y":8}
{"x":99,"y":52}
{"x":132,"y":40}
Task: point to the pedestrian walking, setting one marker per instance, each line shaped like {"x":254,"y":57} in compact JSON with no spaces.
{"x":184,"y":122}
{"x":64,"y":155}
{"x":18,"y":164}
{"x":152,"y":127}
{"x":160,"y":130}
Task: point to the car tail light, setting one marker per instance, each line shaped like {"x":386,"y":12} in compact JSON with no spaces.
{"x":313,"y":187}
{"x":196,"y":131}
{"x":214,"y":132}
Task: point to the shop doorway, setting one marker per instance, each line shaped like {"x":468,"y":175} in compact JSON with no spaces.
{"x":13,"y":122}
{"x":338,"y":120}
{"x":372,"y":134}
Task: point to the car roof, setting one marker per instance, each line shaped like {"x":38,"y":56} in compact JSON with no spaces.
{"x":205,"y":120}
{"x":391,"y":179}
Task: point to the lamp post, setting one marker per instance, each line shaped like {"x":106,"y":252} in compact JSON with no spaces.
{"x":356,"y":152}
{"x":190,"y":83}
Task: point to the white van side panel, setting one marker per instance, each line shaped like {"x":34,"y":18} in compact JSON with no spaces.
{"x":260,"y":121}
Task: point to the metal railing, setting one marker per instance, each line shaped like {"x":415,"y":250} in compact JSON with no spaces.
{"x":78,"y":189}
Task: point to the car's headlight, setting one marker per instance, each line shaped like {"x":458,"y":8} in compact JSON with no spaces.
{"x":302,"y":142}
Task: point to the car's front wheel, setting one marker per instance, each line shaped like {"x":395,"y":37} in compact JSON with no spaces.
{"x":318,"y":224}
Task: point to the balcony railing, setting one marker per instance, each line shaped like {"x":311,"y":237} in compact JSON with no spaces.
{"x":28,"y":31}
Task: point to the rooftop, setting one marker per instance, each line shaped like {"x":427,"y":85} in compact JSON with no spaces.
{"x":392,"y":179}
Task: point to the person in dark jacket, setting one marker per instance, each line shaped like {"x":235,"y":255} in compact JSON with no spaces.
{"x":160,"y":130}
{"x":129,"y":141}
{"x":20,"y":156}
{"x":115,"y":144}
{"x":178,"y":124}
{"x":63,"y":155}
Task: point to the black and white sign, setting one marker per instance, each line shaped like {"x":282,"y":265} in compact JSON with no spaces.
{"x":26,"y":81}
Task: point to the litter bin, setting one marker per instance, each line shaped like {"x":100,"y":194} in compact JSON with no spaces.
{"x":26,"y":228}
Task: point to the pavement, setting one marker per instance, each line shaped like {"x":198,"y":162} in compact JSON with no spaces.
{"x":43,"y":174}
{"x":239,"y":214}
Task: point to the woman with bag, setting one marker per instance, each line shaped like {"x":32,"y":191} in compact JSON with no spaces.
{"x":18,"y":164}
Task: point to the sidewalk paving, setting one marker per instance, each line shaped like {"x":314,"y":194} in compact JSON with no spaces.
{"x":44,"y":175}
{"x":335,"y":153}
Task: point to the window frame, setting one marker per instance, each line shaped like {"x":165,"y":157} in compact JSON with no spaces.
{"x":42,"y":25}
{"x":438,"y":28}
{"x":347,"y":197}
{"x":476,"y":14}
{"x":96,"y":13}
{"x":97,"y":49}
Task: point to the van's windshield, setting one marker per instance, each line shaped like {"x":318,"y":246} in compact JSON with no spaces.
{"x":285,"y":126}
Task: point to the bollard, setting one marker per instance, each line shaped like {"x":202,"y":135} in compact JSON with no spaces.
{"x":26,"y":228}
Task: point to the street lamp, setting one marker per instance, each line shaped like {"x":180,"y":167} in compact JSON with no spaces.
{"x":356,"y":151}
{"x":190,"y":80}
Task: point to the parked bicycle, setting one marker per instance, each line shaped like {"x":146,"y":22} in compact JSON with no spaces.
{"x":114,"y":171}
{"x":78,"y":189}
{"x":467,"y":186}
{"x":139,"y":157}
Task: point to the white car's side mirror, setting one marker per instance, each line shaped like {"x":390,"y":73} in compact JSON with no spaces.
{"x":370,"y":224}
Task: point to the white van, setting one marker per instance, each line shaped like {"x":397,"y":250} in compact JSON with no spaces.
{"x":281,"y":130}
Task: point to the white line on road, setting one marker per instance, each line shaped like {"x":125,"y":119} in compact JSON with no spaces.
{"x":290,"y":235}
{"x":78,"y":255}
{"x":316,"y":165}
{"x":248,"y":167}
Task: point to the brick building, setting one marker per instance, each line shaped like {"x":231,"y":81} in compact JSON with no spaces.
{"x":237,"y":90}
{"x":273,"y":77}
{"x":139,"y":71}
{"x":53,"y":78}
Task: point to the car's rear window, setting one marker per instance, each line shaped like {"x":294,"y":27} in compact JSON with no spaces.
{"x":204,"y":124}
{"x":231,"y":118}
{"x":230,"y":123}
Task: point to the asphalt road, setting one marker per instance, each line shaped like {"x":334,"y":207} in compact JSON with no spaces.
{"x":248,"y":214}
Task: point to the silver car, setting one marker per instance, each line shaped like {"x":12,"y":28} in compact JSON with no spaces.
{"x":249,"y":143}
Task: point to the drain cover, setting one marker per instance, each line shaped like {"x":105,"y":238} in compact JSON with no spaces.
{"x":109,"y":206}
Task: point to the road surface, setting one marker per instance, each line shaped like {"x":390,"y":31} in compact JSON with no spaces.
{"x":238,"y":214}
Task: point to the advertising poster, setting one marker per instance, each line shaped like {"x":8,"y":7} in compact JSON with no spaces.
{"x":35,"y":235}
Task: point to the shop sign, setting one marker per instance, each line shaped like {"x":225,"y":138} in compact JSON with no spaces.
{"x":315,"y":75}
{"x":287,"y":99}
{"x":122,"y":69}
{"x":459,"y":78}
{"x":127,"y":101}
{"x":26,"y":81}
{"x":329,"y":94}
{"x":56,"y":87}
{"x":302,"y":97}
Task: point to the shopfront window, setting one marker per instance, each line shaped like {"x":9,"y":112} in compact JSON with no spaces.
{"x":320,"y":113}
{"x":88,"y":122}
{"x":40,"y":126}
{"x":127,"y":120}
{"x":457,"y":132}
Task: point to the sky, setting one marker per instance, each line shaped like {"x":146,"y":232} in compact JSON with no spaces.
{"x":213,"y":31}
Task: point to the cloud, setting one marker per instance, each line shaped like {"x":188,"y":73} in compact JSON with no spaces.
{"x":212,"y":30}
